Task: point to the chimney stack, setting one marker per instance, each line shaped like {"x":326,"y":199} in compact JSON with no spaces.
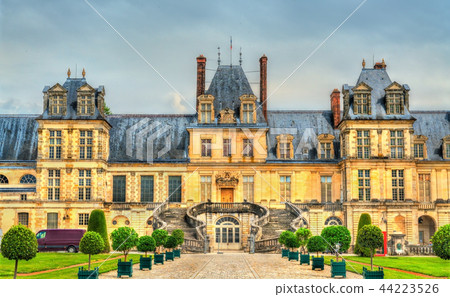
{"x":201,"y":66}
{"x":336,"y":107}
{"x":263,"y":84}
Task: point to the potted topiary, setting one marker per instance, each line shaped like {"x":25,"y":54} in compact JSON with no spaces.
{"x":91,"y":244}
{"x":282,"y":241}
{"x":441,"y":242}
{"x":97,"y":223}
{"x":316,"y":244}
{"x":19,"y":243}
{"x":160,"y":237}
{"x":292,"y":243}
{"x":338,"y":240}
{"x":170,"y":244}
{"x":124,"y":239}
{"x":146,"y":244}
{"x":303,"y":235}
{"x":370,"y":237}
{"x":179,"y":235}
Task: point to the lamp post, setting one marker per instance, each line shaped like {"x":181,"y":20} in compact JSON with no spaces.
{"x":338,"y":245}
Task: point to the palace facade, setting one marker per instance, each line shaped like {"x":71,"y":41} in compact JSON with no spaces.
{"x":370,"y":154}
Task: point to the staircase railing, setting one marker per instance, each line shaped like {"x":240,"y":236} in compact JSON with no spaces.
{"x":263,"y":218}
{"x":158,"y":223}
{"x":298,"y":221}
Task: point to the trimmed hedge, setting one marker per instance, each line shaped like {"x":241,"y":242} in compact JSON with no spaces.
{"x":364,"y":220}
{"x":97,"y":223}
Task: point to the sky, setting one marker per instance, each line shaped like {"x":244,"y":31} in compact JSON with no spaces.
{"x":154,"y":70}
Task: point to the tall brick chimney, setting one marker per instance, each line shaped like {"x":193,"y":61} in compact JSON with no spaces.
{"x":201,"y":65}
{"x":336,"y":107}
{"x":263,"y":84}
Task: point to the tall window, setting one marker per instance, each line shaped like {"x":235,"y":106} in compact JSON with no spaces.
{"x":364,"y":185}
{"x":394,"y":103}
{"x":226,"y":147}
{"x":362,"y":103}
{"x":84,"y":184}
{"x":86,"y":106}
{"x":206,"y":112}
{"x":55,"y":144}
{"x":325,"y":188}
{"x":325,"y":150}
{"x":247,"y":113}
{"x":52,"y":220}
{"x":83,"y":219}
{"x":57,"y":104}
{"x":86,"y":144}
{"x":205,"y":188}
{"x":174,"y":188}
{"x":398,"y":185}
{"x":248,"y":188}
{"x":447,"y":150}
{"x":363,"y":144}
{"x":285,"y":187}
{"x":147,"y":186}
{"x":206,"y":147}
{"x":119,"y":188}
{"x":418,"y":150}
{"x":54,"y":182}
{"x":23,"y":218}
{"x":248,"y":148}
{"x":397,"y":144}
{"x":424,"y":188}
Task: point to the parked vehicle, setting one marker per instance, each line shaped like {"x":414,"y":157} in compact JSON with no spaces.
{"x":59,"y":239}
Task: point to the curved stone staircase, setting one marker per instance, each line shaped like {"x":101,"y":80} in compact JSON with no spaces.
{"x":175,"y":219}
{"x":279,"y":221}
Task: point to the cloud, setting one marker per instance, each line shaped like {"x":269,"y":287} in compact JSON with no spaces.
{"x":177,"y":103}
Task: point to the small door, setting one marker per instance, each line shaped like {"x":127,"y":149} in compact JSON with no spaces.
{"x":227,"y":196}
{"x":421,"y":237}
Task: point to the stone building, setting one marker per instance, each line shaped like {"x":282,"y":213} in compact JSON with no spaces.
{"x":233,"y":171}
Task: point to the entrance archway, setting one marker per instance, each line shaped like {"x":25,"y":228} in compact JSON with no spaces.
{"x":227,"y":234}
{"x":427,"y":228}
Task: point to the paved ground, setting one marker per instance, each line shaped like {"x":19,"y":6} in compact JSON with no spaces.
{"x":230,"y":266}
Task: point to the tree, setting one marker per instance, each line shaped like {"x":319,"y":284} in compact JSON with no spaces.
{"x":292,"y":241}
{"x":179,"y":235}
{"x":370,"y":237}
{"x":19,"y":243}
{"x":124,"y":239}
{"x":441,"y":242}
{"x":303,"y":235}
{"x":283,"y":236}
{"x":160,"y":237}
{"x":146,"y":244}
{"x":171,"y":242}
{"x":364,"y":220}
{"x":106,"y":109}
{"x":97,"y":223}
{"x":92,"y":244}
{"x":316,"y":244}
{"x":334,"y":235}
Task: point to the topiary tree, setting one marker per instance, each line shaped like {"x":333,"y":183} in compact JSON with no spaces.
{"x":146,"y":244}
{"x":292,"y":241}
{"x":19,"y":243}
{"x":92,"y":244}
{"x":370,"y":237}
{"x":171,"y":242}
{"x":303,"y":235}
{"x":124,"y":239}
{"x":441,"y":242}
{"x":364,"y":220}
{"x":97,"y":223}
{"x":179,"y":235}
{"x":160,"y":237}
{"x":283,"y":236}
{"x":316,"y":244}
{"x":334,"y":235}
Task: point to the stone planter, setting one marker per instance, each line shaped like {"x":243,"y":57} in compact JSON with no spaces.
{"x":169,"y":256}
{"x":145,"y":263}
{"x":338,"y":269}
{"x":125,"y":268}
{"x":317,"y":262}
{"x":284,"y":253}
{"x":177,"y":253}
{"x":304,"y":259}
{"x":293,"y":256}
{"x":159,"y":258}
{"x":87,"y":274}
{"x":375,"y":274}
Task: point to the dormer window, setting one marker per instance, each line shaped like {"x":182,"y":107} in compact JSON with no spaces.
{"x":86,"y":104}
{"x":57,"y":105}
{"x":206,"y":109}
{"x":326,"y":148}
{"x":362,"y":99}
{"x":395,"y":98}
{"x":206,"y":112}
{"x":285,"y":149}
{"x":56,"y":97}
{"x":247,"y":113}
{"x":248,"y":109}
{"x":85,"y":100}
{"x":446,"y":147}
{"x":419,"y":146}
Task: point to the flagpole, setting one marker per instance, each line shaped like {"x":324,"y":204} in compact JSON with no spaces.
{"x":231,"y":52}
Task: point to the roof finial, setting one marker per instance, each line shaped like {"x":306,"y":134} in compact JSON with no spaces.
{"x":383,"y":64}
{"x":68,"y":73}
{"x":218,"y":54}
{"x":83,"y":73}
{"x":240,"y":56}
{"x":364,"y":63}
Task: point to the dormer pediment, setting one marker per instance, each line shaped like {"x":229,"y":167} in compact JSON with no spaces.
{"x":395,"y":86}
{"x":248,"y":97}
{"x":362,"y":86}
{"x":57,"y":88}
{"x":86,"y":88}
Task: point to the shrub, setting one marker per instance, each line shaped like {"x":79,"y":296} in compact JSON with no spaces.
{"x":292,"y":241}
{"x":124,"y":239}
{"x":171,"y":242}
{"x":179,"y":235}
{"x":303,"y":235}
{"x":146,"y":244}
{"x":441,"y":242}
{"x":370,"y":237}
{"x":19,"y":243}
{"x":97,"y":223}
{"x":316,"y":244}
{"x":160,"y":237}
{"x":337,"y":235}
{"x":364,"y":220}
{"x":92,"y":244}
{"x":283,"y":236}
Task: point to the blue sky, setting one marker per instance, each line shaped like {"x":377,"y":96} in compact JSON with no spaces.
{"x":39,"y":40}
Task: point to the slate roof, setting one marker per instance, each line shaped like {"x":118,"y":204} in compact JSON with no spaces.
{"x":18,"y":137}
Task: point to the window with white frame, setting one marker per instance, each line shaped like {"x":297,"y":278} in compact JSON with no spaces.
{"x":84,"y":184}
{"x":364,"y":185}
{"x":83,"y":219}
{"x":424,"y":187}
{"x":325,"y":188}
{"x":398,"y":185}
{"x":226,"y":147}
{"x":248,"y":148}
{"x":396,"y":144}
{"x":285,"y":187}
{"x":205,"y":188}
{"x":55,"y":144}
{"x":206,"y":147}
{"x":54,"y":183}
{"x":248,"y":187}
{"x":363,"y":144}
{"x":86,"y":140}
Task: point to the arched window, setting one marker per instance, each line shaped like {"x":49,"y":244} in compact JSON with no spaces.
{"x":333,"y":221}
{"x":228,"y":220}
{"x":3,"y":179}
{"x":28,"y":179}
